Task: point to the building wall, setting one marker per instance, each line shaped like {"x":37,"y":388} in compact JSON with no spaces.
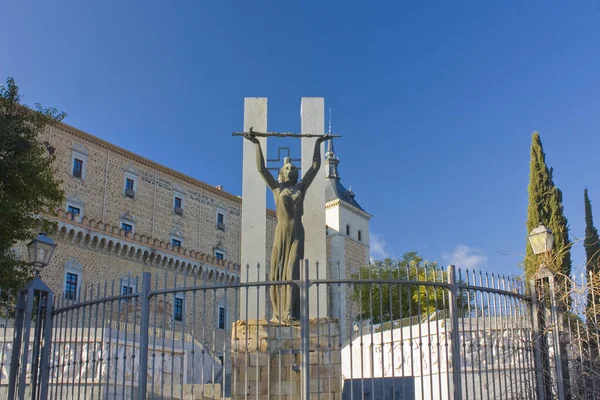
{"x":95,"y":242}
{"x":345,"y":255}
{"x":101,"y":192}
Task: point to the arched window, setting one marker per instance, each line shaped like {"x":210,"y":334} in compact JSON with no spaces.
{"x":360,"y":236}
{"x":347,"y":230}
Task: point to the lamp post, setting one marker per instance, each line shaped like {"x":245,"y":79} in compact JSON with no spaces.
{"x":40,"y":251}
{"x":552,"y":337}
{"x":355,"y":330}
{"x":541,"y":239}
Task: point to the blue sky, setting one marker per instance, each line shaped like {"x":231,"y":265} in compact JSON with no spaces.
{"x":436,"y":101}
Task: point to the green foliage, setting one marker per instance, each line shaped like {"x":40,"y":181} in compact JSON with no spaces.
{"x":28,"y":187}
{"x":392,"y":301}
{"x":545,"y":206}
{"x":591,"y":242}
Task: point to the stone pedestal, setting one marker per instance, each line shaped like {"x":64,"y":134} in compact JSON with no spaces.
{"x":267,"y":360}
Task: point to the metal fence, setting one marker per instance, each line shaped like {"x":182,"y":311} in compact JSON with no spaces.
{"x":385,"y":331}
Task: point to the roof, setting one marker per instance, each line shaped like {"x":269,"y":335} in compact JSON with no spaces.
{"x":335,"y":190}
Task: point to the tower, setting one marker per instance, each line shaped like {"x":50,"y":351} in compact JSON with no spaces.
{"x":347,"y":233}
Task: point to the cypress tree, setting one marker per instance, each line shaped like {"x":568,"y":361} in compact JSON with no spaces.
{"x":545,"y":206}
{"x":591,"y":244}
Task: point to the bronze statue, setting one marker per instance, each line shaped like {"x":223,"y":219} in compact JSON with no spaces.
{"x":288,"y":244}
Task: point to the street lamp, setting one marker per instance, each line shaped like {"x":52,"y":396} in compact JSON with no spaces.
{"x":40,"y":251}
{"x":541,"y":239}
{"x":355,"y":330}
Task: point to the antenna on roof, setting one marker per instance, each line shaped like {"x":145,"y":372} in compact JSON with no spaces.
{"x":329,"y":121}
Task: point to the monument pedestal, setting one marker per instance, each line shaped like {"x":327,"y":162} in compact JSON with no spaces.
{"x":267,"y":360}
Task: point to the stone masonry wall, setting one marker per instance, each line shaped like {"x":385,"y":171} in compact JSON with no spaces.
{"x":102,"y":195}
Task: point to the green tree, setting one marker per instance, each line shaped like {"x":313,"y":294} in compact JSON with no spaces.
{"x":381,"y":302}
{"x":545,"y":207}
{"x":591,"y":244}
{"x":28,"y":186}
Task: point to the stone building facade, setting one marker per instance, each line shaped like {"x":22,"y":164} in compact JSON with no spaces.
{"x":347,"y":241}
{"x":125,"y":215}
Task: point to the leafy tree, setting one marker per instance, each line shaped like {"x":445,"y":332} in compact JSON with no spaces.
{"x":380,"y":302}
{"x":591,"y":244}
{"x":28,"y":186}
{"x":545,"y":207}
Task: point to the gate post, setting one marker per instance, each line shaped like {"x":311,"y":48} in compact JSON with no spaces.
{"x":45,"y":355}
{"x":144,"y":334}
{"x":34,"y":307}
{"x":539,"y":347}
{"x":304,"y":328}
{"x":550,"y":337}
{"x":455,"y":334}
{"x":18,"y":332}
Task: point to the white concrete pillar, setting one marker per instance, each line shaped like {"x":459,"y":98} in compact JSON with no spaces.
{"x":312,"y":112}
{"x":254,"y":213}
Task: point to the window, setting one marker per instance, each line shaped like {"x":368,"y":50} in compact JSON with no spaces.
{"x":221,"y":317}
{"x":74,"y":212}
{"x":130,"y":185}
{"x":347,"y":230}
{"x":178,"y":205}
{"x":178,"y":308}
{"x":71,"y":286}
{"x":360,"y":236}
{"x":126,"y":289}
{"x":79,"y":156}
{"x":74,"y":205}
{"x":77,"y":168}
{"x":222,"y":360}
{"x":221,"y":220}
{"x":126,"y":227}
{"x":176,"y":243}
{"x":219,"y":255}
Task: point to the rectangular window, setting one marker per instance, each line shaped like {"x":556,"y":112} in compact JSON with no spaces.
{"x":126,"y":289}
{"x":220,"y":221}
{"x":219,"y":256}
{"x":71,"y":286}
{"x":77,"y":168}
{"x":178,"y":205}
{"x":360,"y":236}
{"x":176,"y":243}
{"x":178,"y":309}
{"x":74,"y":211}
{"x":129,"y":184}
{"x":126,"y":227}
{"x":222,"y":360}
{"x":221,"y":317}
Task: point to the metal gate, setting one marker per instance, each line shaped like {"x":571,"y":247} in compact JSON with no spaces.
{"x":388,"y":332}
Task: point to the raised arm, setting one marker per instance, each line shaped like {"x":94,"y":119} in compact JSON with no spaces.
{"x":260,"y":163}
{"x":309,"y":176}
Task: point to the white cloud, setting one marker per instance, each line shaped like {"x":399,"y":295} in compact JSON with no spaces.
{"x":377,"y":244}
{"x":466,"y":257}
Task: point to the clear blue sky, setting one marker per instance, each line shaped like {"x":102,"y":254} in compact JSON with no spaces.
{"x":436,"y":100}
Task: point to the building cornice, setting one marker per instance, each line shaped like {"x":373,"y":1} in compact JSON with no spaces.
{"x":144,"y":249}
{"x":149,"y":163}
{"x":338,"y":202}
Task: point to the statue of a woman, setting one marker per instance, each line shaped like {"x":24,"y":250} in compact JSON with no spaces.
{"x":288,"y":243}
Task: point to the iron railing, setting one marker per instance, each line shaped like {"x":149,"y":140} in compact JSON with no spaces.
{"x":384,"y":332}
